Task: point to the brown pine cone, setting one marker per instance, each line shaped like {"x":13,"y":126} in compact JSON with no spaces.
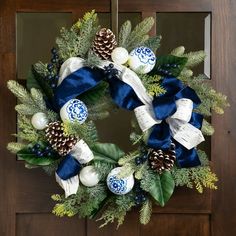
{"x":59,"y":141}
{"x":104,"y":43}
{"x":162,"y":160}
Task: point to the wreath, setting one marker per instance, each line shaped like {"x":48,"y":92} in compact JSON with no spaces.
{"x":93,"y":73}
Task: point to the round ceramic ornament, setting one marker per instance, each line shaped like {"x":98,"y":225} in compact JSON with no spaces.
{"x":74,"y":110}
{"x":88,"y":176}
{"x":119,"y":186}
{"x":142,"y":60}
{"x":39,"y":120}
{"x":120,"y":55}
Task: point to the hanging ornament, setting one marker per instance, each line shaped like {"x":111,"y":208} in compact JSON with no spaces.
{"x":59,"y":141}
{"x":119,"y":186}
{"x":162,"y":160}
{"x":104,"y":43}
{"x":142,"y":60}
{"x":88,"y":176}
{"x":120,"y":55}
{"x":39,"y":121}
{"x":74,"y":110}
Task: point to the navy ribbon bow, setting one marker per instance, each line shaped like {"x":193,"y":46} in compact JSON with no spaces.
{"x":125,"y":97}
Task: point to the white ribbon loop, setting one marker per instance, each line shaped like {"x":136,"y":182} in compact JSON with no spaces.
{"x":145,"y":117}
{"x":185,"y":133}
{"x":70,"y":186}
{"x":184,"y":109}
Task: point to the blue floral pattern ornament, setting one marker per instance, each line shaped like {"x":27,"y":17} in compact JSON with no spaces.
{"x":142,"y":60}
{"x":74,"y":110}
{"x":119,"y":186}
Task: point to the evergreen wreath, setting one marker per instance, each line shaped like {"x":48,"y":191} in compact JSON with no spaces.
{"x":91,"y":73}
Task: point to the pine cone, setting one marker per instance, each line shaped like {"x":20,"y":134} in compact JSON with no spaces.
{"x":104,"y":43}
{"x":162,"y":160}
{"x":56,"y":137}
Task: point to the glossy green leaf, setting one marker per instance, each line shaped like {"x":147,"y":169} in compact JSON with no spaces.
{"x":94,"y":95}
{"x":107,"y":152}
{"x":32,"y":159}
{"x":162,"y":187}
{"x":169,"y":66}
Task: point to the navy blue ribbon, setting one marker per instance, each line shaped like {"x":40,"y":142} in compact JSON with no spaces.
{"x":69,"y":167}
{"x":125,"y":97}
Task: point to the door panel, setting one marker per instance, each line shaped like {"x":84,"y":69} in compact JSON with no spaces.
{"x":25,"y":203}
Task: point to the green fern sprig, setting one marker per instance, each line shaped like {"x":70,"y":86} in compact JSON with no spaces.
{"x":146,"y":212}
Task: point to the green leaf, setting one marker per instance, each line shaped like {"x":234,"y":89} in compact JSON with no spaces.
{"x":162,"y":187}
{"x":95,"y":94}
{"x":107,"y":152}
{"x":31,"y":81}
{"x":153,"y":43}
{"x":169,"y":63}
{"x":43,"y":85}
{"x":32,"y":159}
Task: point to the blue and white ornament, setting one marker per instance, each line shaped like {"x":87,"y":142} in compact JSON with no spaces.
{"x":74,"y":110}
{"x":142,"y":60}
{"x":119,"y":186}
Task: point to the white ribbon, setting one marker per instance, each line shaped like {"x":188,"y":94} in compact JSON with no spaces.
{"x":83,"y":154}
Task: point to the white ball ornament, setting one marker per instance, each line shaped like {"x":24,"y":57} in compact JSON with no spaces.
{"x":119,"y":186}
{"x":39,"y":120}
{"x":120,"y":55}
{"x":88,"y":176}
{"x":74,"y":110}
{"x":142,"y":60}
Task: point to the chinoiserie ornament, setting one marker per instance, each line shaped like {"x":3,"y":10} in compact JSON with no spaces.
{"x":162,"y":160}
{"x":74,"y":110}
{"x":119,"y":186}
{"x":88,"y":176}
{"x":104,"y":43}
{"x":59,"y":141}
{"x":120,"y":55}
{"x":39,"y":121}
{"x":142,"y":60}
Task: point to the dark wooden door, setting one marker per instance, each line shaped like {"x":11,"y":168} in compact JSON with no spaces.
{"x":25,"y":195}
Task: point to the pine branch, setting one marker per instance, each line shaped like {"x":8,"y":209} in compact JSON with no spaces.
{"x":14,"y":147}
{"x":41,"y":69}
{"x":92,"y":60}
{"x":198,"y":177}
{"x":139,"y":33}
{"x":103,"y":168}
{"x":194,"y":58}
{"x":124,"y":33}
{"x":20,"y":92}
{"x":207,"y":128}
{"x":146,"y":212}
{"x":179,"y":51}
{"x":86,"y":131}
{"x":38,"y":99}
{"x":153,"y":43}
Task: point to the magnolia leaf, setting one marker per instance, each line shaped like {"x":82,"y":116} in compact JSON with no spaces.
{"x":162,"y":187}
{"x":33,"y":160}
{"x":31,"y":81}
{"x":169,"y":66}
{"x":107,"y":152}
{"x":95,"y":94}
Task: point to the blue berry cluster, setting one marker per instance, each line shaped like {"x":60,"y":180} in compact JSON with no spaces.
{"x":110,"y":71}
{"x":41,"y":151}
{"x":165,"y":69}
{"x":53,"y":69}
{"x":140,"y":195}
{"x":143,"y":157}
